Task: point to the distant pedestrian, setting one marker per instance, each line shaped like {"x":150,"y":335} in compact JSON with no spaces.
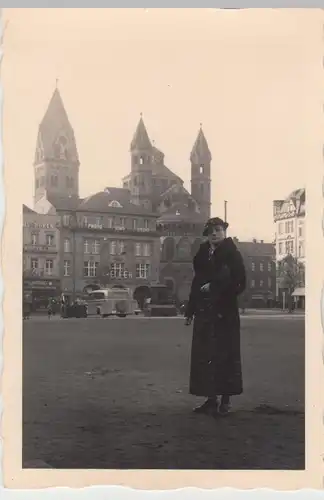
{"x":49,"y":309}
{"x":213,"y":304}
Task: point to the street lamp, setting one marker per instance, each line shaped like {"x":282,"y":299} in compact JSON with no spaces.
{"x":225,"y":212}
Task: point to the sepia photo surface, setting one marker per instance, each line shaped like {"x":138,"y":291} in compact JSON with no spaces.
{"x":162,"y":247}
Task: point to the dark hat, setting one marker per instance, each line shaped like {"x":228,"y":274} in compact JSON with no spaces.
{"x":214,"y":222}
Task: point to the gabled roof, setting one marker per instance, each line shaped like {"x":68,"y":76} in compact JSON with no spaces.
{"x":200,"y":151}
{"x":296,"y":197}
{"x":101,"y":203}
{"x":181,"y":212}
{"x":69,"y":203}
{"x":27,"y":210}
{"x":174,"y":188}
{"x":141,"y":139}
{"x":161,"y":170}
{"x":258,"y":249}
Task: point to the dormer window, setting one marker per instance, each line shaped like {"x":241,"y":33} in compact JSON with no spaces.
{"x":141,"y":160}
{"x":178,"y":212}
{"x":115,"y":204}
{"x":201,"y":169}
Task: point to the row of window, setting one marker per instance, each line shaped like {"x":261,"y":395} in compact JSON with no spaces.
{"x":261,"y":283}
{"x":111,"y":222}
{"x":261,"y":266}
{"x":90,"y":269}
{"x":288,"y":227}
{"x":116,"y":247}
{"x":287,"y":247}
{"x":69,"y":181}
{"x":49,"y":239}
{"x":48,"y":269}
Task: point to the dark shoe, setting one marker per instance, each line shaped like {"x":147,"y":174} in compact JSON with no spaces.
{"x":209,"y":406}
{"x":224,"y":409}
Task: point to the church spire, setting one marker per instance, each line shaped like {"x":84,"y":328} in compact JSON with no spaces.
{"x":200,"y":159}
{"x":56,"y":163}
{"x":141,"y":140}
{"x":200,"y":151}
{"x":56,"y":133}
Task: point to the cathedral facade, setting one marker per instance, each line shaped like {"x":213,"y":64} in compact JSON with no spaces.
{"x":181,"y":214}
{"x":144,"y":232}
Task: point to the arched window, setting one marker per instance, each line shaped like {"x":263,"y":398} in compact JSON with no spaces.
{"x":168,"y":249}
{"x":195,"y":246}
{"x":115,"y":204}
{"x":184,"y":249}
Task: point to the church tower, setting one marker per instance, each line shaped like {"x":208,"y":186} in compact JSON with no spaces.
{"x":56,"y":164}
{"x":200,"y":159}
{"x":141,"y":172}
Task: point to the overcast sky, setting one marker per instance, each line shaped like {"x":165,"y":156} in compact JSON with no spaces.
{"x":251,"y":77}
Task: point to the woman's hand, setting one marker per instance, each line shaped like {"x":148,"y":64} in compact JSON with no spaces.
{"x":205,"y":287}
{"x":188,"y":321}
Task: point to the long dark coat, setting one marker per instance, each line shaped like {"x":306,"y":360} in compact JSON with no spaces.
{"x":216,"y":354}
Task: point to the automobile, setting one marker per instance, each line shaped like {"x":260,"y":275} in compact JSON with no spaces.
{"x":111,"y":302}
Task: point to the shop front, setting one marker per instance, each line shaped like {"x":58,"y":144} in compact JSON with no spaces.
{"x":299,"y":298}
{"x":41,"y":290}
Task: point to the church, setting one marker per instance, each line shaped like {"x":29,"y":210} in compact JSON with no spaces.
{"x":146,"y":231}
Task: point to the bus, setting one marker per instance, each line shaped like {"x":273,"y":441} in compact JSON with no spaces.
{"x":111,"y":302}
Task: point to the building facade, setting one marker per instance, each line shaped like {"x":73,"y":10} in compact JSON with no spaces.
{"x":260,"y":266}
{"x":118,"y":235}
{"x":106,"y":243}
{"x":41,"y":267}
{"x":289,"y":218}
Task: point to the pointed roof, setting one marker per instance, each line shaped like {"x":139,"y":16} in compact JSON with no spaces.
{"x":27,"y":210}
{"x":55,"y":111}
{"x":141,"y":139}
{"x":55,"y":125}
{"x":200,"y":150}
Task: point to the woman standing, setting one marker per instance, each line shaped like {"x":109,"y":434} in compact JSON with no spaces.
{"x":216,"y":356}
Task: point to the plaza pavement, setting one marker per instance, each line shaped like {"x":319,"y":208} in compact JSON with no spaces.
{"x":110,"y":393}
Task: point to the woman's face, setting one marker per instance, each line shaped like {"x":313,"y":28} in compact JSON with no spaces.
{"x":216,"y":234}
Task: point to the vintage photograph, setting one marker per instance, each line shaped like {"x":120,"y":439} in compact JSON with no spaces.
{"x":161,"y":168}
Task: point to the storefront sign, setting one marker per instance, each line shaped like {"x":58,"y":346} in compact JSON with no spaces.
{"x":94,"y":226}
{"x":39,"y":248}
{"x":37,"y":225}
{"x":120,"y":275}
{"x":143,"y":229}
{"x":41,"y":284}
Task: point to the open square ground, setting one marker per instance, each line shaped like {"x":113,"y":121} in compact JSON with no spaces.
{"x":113,"y":393}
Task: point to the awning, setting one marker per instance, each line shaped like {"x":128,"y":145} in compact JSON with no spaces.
{"x":299,"y":292}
